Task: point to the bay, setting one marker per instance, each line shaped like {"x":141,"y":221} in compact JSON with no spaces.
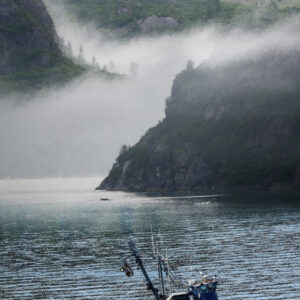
{"x":59,"y":240}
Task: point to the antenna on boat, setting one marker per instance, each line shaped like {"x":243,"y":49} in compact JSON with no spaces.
{"x":205,"y":289}
{"x":161,"y":276}
{"x":154,"y":247}
{"x":168,"y":271}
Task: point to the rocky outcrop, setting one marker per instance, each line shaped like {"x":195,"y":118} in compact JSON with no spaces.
{"x":228,"y":126}
{"x":154,"y":22}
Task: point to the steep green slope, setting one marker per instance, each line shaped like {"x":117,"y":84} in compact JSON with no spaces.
{"x":229,"y":126}
{"x":128,"y":18}
{"x":29,"y":52}
{"x":259,"y":13}
{"x":125,"y":17}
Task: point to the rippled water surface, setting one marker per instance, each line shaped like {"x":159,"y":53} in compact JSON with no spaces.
{"x":58,"y":240}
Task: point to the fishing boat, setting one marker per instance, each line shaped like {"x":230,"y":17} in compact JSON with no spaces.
{"x":204,"y":289}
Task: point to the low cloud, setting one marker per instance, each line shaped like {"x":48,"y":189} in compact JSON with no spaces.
{"x":78,"y":130}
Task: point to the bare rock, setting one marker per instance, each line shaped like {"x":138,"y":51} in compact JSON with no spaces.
{"x":155,"y":22}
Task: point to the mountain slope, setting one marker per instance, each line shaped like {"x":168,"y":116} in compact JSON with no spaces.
{"x":29,"y":52}
{"x":227,"y":126}
{"x":128,"y":18}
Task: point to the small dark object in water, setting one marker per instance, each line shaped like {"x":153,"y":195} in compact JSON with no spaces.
{"x":104,"y":199}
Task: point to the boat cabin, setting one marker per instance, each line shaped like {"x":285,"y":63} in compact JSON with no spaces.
{"x":205,"y":289}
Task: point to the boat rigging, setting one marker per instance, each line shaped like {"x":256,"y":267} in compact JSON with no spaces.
{"x":205,"y":289}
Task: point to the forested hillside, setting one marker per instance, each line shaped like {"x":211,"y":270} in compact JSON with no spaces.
{"x":227,"y":126}
{"x":29,"y":53}
{"x":127,"y":18}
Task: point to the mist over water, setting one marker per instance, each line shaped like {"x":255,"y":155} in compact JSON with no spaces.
{"x":78,"y":130}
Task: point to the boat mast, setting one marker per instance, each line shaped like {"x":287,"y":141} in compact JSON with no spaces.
{"x":161,"y":276}
{"x":138,"y":260}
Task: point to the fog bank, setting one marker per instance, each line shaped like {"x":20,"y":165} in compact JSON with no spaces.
{"x":78,"y":130}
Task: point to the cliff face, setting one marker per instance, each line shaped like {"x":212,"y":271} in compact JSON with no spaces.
{"x":229,"y":126}
{"x":29,"y":51}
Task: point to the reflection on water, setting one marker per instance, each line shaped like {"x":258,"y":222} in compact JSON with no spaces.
{"x":59,"y":240}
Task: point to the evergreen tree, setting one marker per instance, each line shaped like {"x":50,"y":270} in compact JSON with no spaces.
{"x":81,"y":59}
{"x":190,"y":65}
{"x":133,"y":68}
{"x":69,"y":50}
{"x":94,"y":62}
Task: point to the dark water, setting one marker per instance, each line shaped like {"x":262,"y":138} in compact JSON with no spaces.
{"x":58,"y":241}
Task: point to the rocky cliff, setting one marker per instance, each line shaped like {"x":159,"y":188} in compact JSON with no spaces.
{"x":29,"y":51}
{"x":227,"y":126}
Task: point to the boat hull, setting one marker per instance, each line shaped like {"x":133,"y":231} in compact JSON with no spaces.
{"x":209,"y":296}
